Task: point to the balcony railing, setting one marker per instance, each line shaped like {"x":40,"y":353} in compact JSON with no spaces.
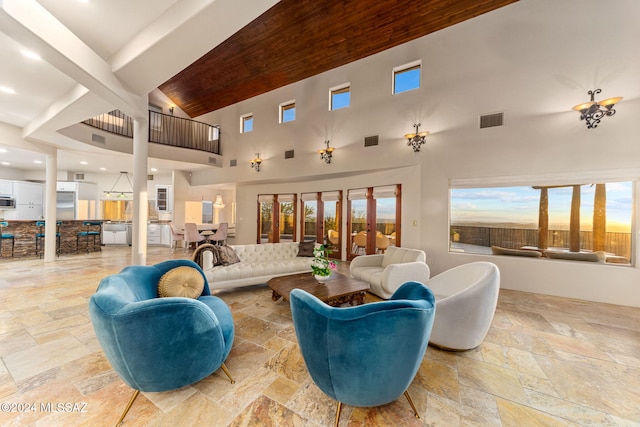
{"x":514,"y":238}
{"x":163,"y":129}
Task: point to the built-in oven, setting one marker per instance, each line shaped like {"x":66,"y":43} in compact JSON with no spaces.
{"x":7,"y":202}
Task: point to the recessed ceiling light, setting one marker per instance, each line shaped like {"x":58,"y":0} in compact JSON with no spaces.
{"x":37,"y":161}
{"x":154,"y":170}
{"x":84,"y":163}
{"x":31,"y":55}
{"x":103,"y":169}
{"x":2,"y":150}
{"x":6,"y":163}
{"x":83,"y":1}
{"x":7,"y":90}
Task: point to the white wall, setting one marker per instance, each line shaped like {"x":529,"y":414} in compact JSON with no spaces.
{"x":465,"y":75}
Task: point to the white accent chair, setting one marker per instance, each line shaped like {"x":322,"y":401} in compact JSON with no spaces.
{"x":466,"y":299}
{"x":385,"y":273}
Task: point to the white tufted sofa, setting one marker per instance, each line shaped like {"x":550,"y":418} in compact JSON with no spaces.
{"x":258,"y":264}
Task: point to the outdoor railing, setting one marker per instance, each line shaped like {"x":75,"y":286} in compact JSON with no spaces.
{"x":514,"y":238}
{"x":163,"y":129}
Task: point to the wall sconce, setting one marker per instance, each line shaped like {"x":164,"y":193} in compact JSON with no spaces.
{"x":591,"y":112}
{"x":171,"y":109}
{"x":415,"y":140}
{"x":218,"y":204}
{"x":255,"y":162}
{"x":326,"y":153}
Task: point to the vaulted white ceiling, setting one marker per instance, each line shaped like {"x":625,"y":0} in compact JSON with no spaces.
{"x":97,"y":56}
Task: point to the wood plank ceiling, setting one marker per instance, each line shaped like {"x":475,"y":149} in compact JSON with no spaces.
{"x":297,"y":39}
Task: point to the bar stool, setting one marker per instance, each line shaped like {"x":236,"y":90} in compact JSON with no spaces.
{"x":40,"y":235}
{"x":90,"y":232}
{"x":6,"y":236}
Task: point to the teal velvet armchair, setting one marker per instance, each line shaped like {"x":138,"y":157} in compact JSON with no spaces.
{"x":341,"y":345}
{"x":159,"y":344}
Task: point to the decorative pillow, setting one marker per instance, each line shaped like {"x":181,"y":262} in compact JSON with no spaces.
{"x":227,"y":255}
{"x":183,"y":281}
{"x":306,"y":249}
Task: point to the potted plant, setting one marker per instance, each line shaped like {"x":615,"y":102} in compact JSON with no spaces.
{"x":322,"y":266}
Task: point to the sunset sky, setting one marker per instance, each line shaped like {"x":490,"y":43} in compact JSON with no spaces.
{"x":520,"y":205}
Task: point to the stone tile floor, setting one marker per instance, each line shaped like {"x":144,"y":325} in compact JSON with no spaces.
{"x":547,"y":361}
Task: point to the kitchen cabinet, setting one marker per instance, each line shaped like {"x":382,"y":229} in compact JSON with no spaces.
{"x":29,"y":201}
{"x":158,"y":234}
{"x":116,"y":234}
{"x":164,"y":198}
{"x":6,"y":187}
{"x":166,"y":235}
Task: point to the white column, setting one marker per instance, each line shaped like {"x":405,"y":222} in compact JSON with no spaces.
{"x":140,"y":195}
{"x":51,"y":178}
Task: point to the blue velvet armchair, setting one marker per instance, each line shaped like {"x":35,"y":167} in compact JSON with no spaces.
{"x":340,"y":345}
{"x":159,"y":344}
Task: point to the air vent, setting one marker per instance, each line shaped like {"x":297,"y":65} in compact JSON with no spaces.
{"x":233,"y":163}
{"x":99,"y":139}
{"x":491,"y":120}
{"x":78,"y":177}
{"x":213,"y":160}
{"x":288,"y":154}
{"x":370,"y":141}
{"x":149,"y":177}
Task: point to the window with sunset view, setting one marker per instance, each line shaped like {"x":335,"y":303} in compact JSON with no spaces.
{"x":576,"y":218}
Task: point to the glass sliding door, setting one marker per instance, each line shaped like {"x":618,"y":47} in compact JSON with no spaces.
{"x":265,"y":218}
{"x":387,"y":211}
{"x":374,"y":219}
{"x":309,"y":217}
{"x":331,"y":222}
{"x":357,"y":223}
{"x":286,"y":227}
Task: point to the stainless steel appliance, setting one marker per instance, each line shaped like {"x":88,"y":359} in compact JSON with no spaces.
{"x":65,"y":205}
{"x":7,"y":202}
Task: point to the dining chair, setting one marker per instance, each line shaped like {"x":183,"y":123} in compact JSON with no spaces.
{"x":175,"y":237}
{"x":191,"y":235}
{"x":220,"y":234}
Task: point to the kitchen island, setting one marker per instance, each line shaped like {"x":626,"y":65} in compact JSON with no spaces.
{"x":25,"y":237}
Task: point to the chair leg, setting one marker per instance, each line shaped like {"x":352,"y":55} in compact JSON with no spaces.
{"x":338,"y":414}
{"x":415,"y":411}
{"x":126,"y":410}
{"x":226,"y":371}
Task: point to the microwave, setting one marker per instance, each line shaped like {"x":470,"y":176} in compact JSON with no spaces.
{"x":7,"y":202}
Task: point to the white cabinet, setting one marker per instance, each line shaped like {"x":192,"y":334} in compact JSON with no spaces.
{"x":164,"y":198}
{"x":6,"y":187}
{"x":115,"y":234}
{"x":154,"y":234}
{"x":29,"y":201}
{"x":158,"y":234}
{"x":166,"y":235}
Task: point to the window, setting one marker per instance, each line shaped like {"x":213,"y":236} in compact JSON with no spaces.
{"x":287,"y":112}
{"x":573,"y":221}
{"x":340,"y":97}
{"x":246,"y":123}
{"x":406,"y":77}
